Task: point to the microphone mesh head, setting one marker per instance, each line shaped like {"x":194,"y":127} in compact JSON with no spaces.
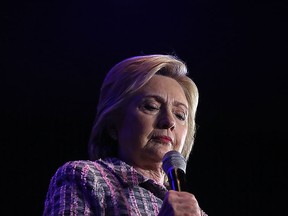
{"x":173,"y":159}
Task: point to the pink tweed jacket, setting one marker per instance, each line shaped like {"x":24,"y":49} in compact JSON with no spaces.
{"x":102,"y":187}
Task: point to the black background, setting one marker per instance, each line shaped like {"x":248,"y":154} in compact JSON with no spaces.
{"x":57,"y":53}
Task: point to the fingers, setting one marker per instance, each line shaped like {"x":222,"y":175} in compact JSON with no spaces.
{"x":181,"y":203}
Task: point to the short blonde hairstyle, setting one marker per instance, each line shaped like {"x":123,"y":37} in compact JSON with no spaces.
{"x":122,"y":82}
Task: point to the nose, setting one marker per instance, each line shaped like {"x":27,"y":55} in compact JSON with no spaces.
{"x":166,"y":121}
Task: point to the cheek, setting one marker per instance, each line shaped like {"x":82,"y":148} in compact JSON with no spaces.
{"x":135,"y":128}
{"x":181,"y":137}
{"x":141,"y":126}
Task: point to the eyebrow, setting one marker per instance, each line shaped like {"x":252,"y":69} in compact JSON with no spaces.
{"x":161,"y":99}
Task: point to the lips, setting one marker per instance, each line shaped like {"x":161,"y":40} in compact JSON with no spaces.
{"x":162,"y":139}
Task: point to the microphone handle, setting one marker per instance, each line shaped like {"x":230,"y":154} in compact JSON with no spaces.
{"x":177,"y":179}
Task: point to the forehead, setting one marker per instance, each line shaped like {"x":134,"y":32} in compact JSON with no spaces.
{"x":165,"y":87}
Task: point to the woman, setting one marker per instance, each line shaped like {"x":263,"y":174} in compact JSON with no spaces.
{"x":146,"y":108}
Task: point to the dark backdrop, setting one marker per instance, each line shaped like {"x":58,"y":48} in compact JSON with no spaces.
{"x":57,"y":53}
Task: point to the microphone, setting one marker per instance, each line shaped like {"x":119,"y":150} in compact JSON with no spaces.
{"x":174,"y":165}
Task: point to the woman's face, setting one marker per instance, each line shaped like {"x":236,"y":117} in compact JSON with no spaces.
{"x":153,"y":123}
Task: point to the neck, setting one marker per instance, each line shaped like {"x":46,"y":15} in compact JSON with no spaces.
{"x":156,"y":175}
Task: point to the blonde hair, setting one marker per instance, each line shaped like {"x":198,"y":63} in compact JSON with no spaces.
{"x":121,"y":82}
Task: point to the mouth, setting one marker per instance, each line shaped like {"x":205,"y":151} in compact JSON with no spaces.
{"x":163,"y":139}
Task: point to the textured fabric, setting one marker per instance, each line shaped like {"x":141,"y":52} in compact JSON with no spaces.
{"x":102,"y":187}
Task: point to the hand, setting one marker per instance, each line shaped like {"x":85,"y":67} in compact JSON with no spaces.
{"x":179,"y":203}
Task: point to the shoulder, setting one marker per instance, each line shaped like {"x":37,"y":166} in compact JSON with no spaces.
{"x":78,"y":181}
{"x":77,"y":165}
{"x":79,"y":170}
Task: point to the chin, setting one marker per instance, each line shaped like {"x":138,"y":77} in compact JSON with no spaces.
{"x":159,"y":154}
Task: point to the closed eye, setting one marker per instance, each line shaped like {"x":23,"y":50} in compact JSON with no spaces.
{"x":151,"y":107}
{"x":181,"y":116}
